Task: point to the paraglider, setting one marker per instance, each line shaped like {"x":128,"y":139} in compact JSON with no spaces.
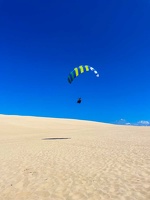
{"x":78,"y":71}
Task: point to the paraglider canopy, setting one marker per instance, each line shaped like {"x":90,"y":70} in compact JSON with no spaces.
{"x":80,"y":70}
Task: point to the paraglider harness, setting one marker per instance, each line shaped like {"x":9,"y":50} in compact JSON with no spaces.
{"x":79,"y":100}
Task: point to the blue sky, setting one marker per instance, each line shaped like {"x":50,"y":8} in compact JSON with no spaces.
{"x":42,"y":41}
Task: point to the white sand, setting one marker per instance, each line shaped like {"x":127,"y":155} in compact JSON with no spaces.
{"x":60,"y":159}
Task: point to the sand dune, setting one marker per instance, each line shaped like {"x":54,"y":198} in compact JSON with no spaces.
{"x":61,"y":159}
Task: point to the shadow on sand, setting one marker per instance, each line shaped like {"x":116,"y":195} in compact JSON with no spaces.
{"x":56,"y":138}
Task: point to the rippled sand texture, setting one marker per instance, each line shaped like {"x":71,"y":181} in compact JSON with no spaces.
{"x":60,"y":159}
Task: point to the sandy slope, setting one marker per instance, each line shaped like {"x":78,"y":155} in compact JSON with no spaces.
{"x":59,"y":159}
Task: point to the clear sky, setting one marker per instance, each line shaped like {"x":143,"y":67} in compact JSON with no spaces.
{"x":42,"y":41}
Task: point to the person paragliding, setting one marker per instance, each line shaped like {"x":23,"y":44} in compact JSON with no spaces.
{"x":79,"y":100}
{"x":78,"y":71}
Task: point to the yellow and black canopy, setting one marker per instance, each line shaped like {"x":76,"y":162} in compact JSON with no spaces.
{"x":79,"y":70}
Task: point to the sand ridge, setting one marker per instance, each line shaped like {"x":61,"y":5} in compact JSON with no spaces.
{"x":62,"y":159}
